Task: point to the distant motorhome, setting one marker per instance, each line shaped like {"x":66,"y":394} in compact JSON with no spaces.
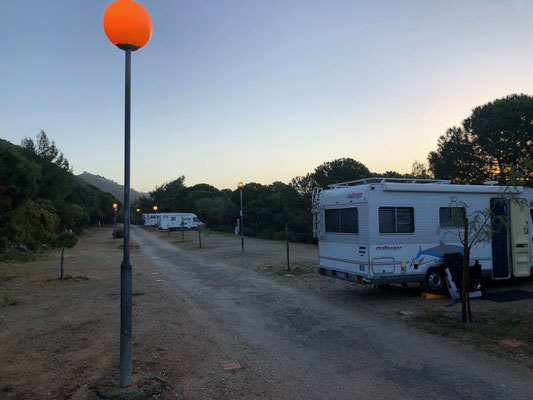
{"x":387,"y":231}
{"x":149,"y":219}
{"x":173,"y":221}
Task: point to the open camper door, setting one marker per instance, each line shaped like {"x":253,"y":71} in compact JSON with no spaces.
{"x":520,"y":254}
{"x":500,"y":239}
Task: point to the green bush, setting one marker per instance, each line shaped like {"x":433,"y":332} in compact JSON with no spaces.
{"x":118,"y":233}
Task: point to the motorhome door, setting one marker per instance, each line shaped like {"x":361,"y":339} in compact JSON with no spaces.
{"x":500,"y":239}
{"x":520,"y":255}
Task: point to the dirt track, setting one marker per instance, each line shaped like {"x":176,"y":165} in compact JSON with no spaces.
{"x":60,"y":339}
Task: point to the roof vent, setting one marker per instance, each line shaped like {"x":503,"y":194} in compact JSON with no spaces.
{"x":491,"y":183}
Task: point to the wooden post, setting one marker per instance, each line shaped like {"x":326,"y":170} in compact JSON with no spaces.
{"x":199,"y":237}
{"x":287,"y":241}
{"x":62,"y":259}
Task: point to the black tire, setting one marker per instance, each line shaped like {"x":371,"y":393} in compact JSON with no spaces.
{"x":434,"y":281}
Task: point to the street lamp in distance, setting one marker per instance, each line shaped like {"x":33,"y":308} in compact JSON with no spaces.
{"x":129,"y":27}
{"x":155,"y":208}
{"x":115,"y":208}
{"x":241,"y":185}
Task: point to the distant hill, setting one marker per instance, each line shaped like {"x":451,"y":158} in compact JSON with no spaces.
{"x":110,"y":186}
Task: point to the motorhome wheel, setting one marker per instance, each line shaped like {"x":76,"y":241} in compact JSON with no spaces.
{"x":434,"y":282}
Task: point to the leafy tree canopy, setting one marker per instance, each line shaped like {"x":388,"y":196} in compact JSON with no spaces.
{"x":494,"y":141}
{"x":65,"y":240}
{"x":47,"y":150}
{"x":340,"y":170}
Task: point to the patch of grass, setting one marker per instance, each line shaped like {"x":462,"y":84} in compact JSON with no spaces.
{"x":132,"y":246}
{"x":8,"y":301}
{"x":77,"y":278}
{"x":68,"y":278}
{"x":6,"y":388}
{"x":440,"y":323}
{"x":138,"y":293}
{"x":20,"y":257}
{"x":5,"y":278}
{"x":510,"y":324}
{"x":294,"y":271}
{"x":486,"y":331}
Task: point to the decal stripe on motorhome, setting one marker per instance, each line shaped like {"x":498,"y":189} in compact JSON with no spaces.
{"x":358,"y":262}
{"x":345,"y":260}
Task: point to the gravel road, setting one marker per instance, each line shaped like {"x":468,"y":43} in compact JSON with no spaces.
{"x":295,"y":345}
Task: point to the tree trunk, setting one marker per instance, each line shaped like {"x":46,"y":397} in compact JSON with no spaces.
{"x":62,"y":261}
{"x":199,"y":238}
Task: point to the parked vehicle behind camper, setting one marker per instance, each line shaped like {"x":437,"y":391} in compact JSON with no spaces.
{"x":175,"y":221}
{"x":387,"y":231}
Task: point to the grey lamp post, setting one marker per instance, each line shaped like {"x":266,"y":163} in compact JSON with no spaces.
{"x":128,"y":26}
{"x":242,"y":220}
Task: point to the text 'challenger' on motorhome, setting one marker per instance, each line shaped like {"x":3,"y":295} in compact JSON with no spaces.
{"x":387,"y":231}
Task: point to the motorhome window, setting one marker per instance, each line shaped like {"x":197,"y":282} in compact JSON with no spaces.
{"x":172,"y":218}
{"x":342,"y":220}
{"x":349,"y":220}
{"x":333,"y":221}
{"x":396,"y":220}
{"x":196,"y":220}
{"x":451,"y":217}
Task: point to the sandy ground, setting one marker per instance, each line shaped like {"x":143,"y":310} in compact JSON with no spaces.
{"x":60,"y":339}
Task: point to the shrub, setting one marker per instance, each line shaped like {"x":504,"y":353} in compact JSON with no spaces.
{"x":118,"y":233}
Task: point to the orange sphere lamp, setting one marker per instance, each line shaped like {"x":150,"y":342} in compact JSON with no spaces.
{"x":127,"y":24}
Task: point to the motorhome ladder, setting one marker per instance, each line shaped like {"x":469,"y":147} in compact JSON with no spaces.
{"x":315,"y":209}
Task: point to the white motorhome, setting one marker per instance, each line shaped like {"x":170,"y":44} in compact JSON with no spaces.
{"x":175,"y":221}
{"x":388,"y":231}
{"x":149,"y":219}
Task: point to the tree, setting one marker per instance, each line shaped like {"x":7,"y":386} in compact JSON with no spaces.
{"x":38,"y":198}
{"x":420,"y":170}
{"x":459,"y":160}
{"x":340,"y":170}
{"x":392,"y":174}
{"x":503,"y":129}
{"x":170,"y":196}
{"x":65,"y":240}
{"x":47,"y":150}
{"x":494,"y":141}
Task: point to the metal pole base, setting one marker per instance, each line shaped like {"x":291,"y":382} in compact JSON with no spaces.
{"x":125,"y":323}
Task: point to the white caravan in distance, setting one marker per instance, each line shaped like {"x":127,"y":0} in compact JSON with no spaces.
{"x":387,"y":230}
{"x":149,"y":219}
{"x":175,"y":221}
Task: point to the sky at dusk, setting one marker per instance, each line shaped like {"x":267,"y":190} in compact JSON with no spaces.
{"x":258,"y":91}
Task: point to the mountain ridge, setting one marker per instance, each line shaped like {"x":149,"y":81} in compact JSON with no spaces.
{"x":110,"y":186}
